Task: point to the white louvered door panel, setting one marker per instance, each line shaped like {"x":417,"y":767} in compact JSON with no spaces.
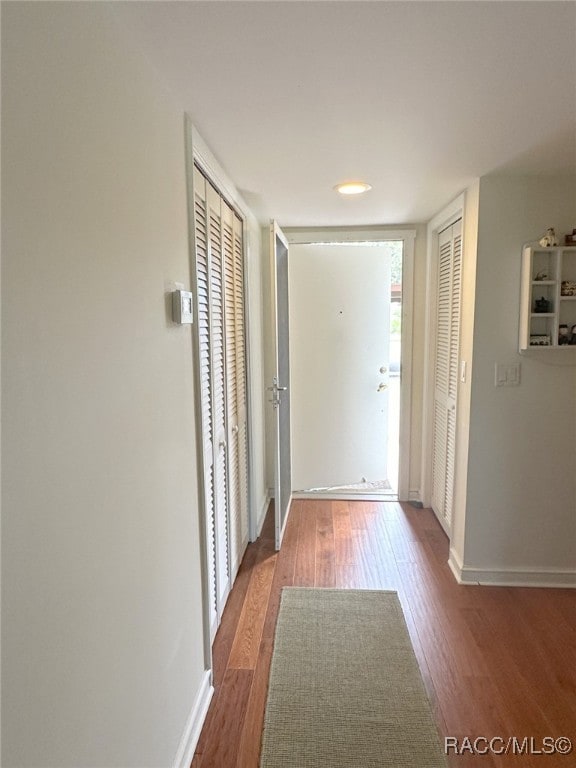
{"x":446,"y":370}
{"x":241,"y":375}
{"x":217,"y":334}
{"x":204,"y":362}
{"x":231,"y":388}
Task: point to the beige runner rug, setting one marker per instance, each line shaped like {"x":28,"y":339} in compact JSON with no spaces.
{"x":345,"y":690}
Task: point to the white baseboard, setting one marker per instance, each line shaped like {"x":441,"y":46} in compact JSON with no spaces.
{"x":512,"y":577}
{"x":341,"y":496}
{"x":414,"y":495}
{"x":194,"y":723}
{"x":262,"y":514}
{"x":236,"y":563}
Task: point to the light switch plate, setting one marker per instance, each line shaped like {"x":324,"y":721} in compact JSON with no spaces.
{"x":506,"y":374}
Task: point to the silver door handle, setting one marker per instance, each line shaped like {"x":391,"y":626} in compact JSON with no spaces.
{"x":382,"y":387}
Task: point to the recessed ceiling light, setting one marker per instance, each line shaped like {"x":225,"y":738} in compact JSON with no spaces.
{"x":352,"y":187}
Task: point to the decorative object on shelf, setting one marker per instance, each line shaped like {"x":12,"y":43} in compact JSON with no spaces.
{"x":542,"y":275}
{"x":563,"y":335}
{"x":539,"y":340}
{"x":570,"y":239}
{"x":549,"y":239}
{"x":568,"y":288}
{"x":542,"y":305}
{"x":573,"y":335}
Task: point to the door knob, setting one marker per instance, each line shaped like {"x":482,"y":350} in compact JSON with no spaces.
{"x":383,"y":369}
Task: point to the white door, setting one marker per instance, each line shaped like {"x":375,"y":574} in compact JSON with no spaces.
{"x":280,"y":384}
{"x":236,"y":411}
{"x":446,"y":371}
{"x":218,"y":371}
{"x":202,"y":271}
{"x":340,"y":299}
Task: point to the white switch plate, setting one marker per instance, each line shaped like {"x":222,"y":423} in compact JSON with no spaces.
{"x":506,"y":374}
{"x":513,"y":376}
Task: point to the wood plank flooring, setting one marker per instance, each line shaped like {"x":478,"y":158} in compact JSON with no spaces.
{"x":496,"y":661}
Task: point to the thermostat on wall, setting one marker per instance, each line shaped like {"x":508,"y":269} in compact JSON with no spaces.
{"x":182,"y":307}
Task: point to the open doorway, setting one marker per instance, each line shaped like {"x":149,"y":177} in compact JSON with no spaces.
{"x":346,"y":332}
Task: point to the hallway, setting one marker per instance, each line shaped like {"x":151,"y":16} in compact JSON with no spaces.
{"x":496,"y":661}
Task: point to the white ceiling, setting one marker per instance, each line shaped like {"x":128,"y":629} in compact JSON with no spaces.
{"x":417,"y":98}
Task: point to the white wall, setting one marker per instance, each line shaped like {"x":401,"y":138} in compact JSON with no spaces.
{"x":521,"y":491}
{"x":102,"y":618}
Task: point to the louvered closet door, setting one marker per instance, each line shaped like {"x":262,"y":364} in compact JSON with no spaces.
{"x":233,"y":369}
{"x":222,"y":364}
{"x":446,"y":370}
{"x":241,"y":489}
{"x":205,"y":366}
{"x":235,"y":358}
{"x":217,"y":338}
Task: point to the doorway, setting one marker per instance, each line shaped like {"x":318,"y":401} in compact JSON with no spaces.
{"x":348,"y":318}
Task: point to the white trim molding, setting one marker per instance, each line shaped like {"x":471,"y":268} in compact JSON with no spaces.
{"x":305,"y":236}
{"x":414,"y":495}
{"x":342,"y":496}
{"x":261,"y":515}
{"x":511,"y":577}
{"x":194,"y":723}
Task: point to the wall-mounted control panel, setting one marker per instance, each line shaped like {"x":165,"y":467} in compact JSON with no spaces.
{"x":182,"y":307}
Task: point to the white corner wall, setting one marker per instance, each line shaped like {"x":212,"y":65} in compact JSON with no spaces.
{"x":520,"y":524}
{"x":102,"y":645}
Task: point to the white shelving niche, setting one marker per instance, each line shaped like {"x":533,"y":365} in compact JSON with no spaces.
{"x":548,"y":300}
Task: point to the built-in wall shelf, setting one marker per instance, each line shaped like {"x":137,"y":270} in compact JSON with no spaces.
{"x":548,"y":299}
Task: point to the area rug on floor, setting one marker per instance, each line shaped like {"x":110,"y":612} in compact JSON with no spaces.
{"x":345,"y":690}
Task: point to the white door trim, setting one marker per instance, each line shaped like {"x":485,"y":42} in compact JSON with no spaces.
{"x":375,"y":235}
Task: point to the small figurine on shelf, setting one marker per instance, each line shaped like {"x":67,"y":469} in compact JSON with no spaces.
{"x":549,"y":239}
{"x":542,"y":305}
{"x":542,"y":275}
{"x":573,"y":335}
{"x":563,"y":336}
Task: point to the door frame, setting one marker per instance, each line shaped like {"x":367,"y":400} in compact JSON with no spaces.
{"x":282,"y":447}
{"x":445,"y":218}
{"x":374,"y":235}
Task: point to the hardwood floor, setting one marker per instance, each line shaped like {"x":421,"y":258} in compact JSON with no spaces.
{"x":496,"y":661}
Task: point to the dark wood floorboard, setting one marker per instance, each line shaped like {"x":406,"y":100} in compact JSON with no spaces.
{"x":496,"y":661}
